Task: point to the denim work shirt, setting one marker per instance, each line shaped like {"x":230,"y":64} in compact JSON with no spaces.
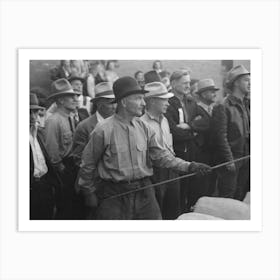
{"x":124,"y":151}
{"x":58,"y":136}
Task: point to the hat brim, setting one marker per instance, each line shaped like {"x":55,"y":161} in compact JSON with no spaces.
{"x":76,"y":78}
{"x":131,"y":92}
{"x":36,"y":107}
{"x":112,"y":96}
{"x":207,"y":88}
{"x":165,"y":95}
{"x":229,"y":83}
{"x":65,"y":93}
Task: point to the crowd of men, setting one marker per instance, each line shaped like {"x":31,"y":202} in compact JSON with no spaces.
{"x":104,"y":139}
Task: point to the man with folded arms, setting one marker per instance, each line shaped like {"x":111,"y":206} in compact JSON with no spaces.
{"x":119,"y":158}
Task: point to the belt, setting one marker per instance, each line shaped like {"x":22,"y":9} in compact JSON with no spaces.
{"x":141,"y":180}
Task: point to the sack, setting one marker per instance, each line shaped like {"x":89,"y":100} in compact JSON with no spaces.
{"x":225,"y":208}
{"x":197,"y":216}
{"x":247,"y":198}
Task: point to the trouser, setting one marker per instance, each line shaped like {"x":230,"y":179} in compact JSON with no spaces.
{"x":70,"y":206}
{"x":234,"y":184}
{"x":42,"y":199}
{"x":168,"y":195}
{"x":139,"y":205}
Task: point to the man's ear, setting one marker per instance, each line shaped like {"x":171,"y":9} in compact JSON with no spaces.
{"x":123,"y":102}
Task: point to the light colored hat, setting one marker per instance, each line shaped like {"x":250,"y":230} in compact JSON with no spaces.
{"x":235,"y":73}
{"x":103,"y":90}
{"x":157,"y":89}
{"x":61,"y":87}
{"x":205,"y":84}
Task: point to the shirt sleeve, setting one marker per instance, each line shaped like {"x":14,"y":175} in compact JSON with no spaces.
{"x":90,"y":158}
{"x":52,"y":141}
{"x":162,"y":157}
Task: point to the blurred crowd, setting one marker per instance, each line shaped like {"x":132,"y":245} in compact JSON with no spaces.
{"x":96,"y":136}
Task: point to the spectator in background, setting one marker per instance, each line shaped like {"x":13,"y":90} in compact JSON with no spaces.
{"x":63,"y":70}
{"x":78,"y":68}
{"x":110,"y":72}
{"x":168,"y":195}
{"x":84,"y":104}
{"x":58,"y":138}
{"x":165,"y":79}
{"x":231,"y":135}
{"x":44,"y":183}
{"x":157,"y":66}
{"x":152,"y":76}
{"x":105,"y":108}
{"x":139,"y":76}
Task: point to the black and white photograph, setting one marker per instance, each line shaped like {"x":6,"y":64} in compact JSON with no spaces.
{"x":140,"y":139}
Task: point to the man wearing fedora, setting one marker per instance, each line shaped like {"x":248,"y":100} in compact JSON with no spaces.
{"x":59,"y":136}
{"x":168,"y":195}
{"x":119,"y":158}
{"x":44,"y":182}
{"x":206,"y":95}
{"x":104,"y":109}
{"x":231,"y":135}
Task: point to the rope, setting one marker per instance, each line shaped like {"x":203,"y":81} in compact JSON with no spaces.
{"x":175,"y":179}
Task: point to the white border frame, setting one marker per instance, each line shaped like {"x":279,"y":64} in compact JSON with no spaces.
{"x":254,"y":55}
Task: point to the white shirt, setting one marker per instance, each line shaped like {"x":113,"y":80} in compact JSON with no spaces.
{"x":40,"y":166}
{"x":207,"y":108}
{"x":99,"y":117}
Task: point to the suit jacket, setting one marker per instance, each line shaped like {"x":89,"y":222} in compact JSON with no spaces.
{"x":183,"y":140}
{"x":81,"y":137}
{"x":52,"y":176}
{"x":230,"y":127}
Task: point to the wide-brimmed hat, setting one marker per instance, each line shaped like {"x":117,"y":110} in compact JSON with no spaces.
{"x":126,"y":86}
{"x":157,"y":89}
{"x":73,"y":78}
{"x":152,"y":76}
{"x":34,"y":102}
{"x":103,"y":90}
{"x":61,"y":87}
{"x":235,"y":73}
{"x":205,"y":84}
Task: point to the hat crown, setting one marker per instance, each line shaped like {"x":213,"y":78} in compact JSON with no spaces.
{"x":155,"y":88}
{"x":102,"y":88}
{"x":61,"y":86}
{"x":205,"y":83}
{"x":33,"y":99}
{"x":152,"y":76}
{"x":125,"y":85}
{"x":235,"y":72}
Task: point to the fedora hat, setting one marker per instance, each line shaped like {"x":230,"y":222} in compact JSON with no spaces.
{"x":205,"y":84}
{"x":126,"y":86}
{"x":103,"y":90}
{"x":235,"y":73}
{"x":61,"y":87}
{"x":34,"y":102}
{"x":157,"y":89}
{"x":152,"y":76}
{"x":73,"y":78}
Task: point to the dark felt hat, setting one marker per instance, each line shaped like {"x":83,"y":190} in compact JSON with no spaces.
{"x":126,"y":86}
{"x":34,"y":102}
{"x":152,"y":76}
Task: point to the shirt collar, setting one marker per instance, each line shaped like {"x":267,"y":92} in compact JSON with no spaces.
{"x":234,"y":100}
{"x":63,"y":113}
{"x":151,"y":117}
{"x":99,"y":117}
{"x":207,"y":108}
{"x":124,"y":121}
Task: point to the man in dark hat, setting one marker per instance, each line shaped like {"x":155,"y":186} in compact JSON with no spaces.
{"x":119,"y":158}
{"x":231,"y":135}
{"x":59,"y":136}
{"x":104,"y":109}
{"x":44,"y":182}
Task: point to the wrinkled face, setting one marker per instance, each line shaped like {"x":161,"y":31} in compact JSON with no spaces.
{"x":34,"y":117}
{"x":209,"y":96}
{"x":244,"y":84}
{"x":77,"y":85}
{"x":69,"y":102}
{"x":134,"y":104}
{"x":105,"y":107}
{"x":182,"y":85}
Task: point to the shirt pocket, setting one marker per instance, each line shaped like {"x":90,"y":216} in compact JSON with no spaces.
{"x":118,"y":156}
{"x":143,"y":157}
